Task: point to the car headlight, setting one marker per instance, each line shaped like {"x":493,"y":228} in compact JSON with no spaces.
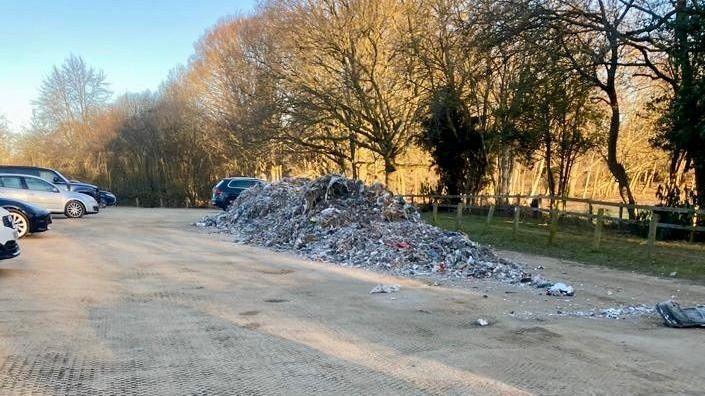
{"x":7,"y":222}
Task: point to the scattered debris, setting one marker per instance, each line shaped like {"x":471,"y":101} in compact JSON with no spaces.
{"x":560,"y":289}
{"x":344,"y":221}
{"x":385,"y":289}
{"x":624,"y":312}
{"x":675,"y":316}
{"x":540,"y":282}
{"x":482,"y":322}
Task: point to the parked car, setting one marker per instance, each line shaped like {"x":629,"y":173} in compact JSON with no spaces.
{"x":54,"y":177}
{"x":9,"y":247}
{"x":40,"y":192}
{"x":106,"y":198}
{"x":27,"y":218}
{"x":225,"y":192}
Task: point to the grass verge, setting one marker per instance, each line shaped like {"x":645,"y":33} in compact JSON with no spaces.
{"x":575,"y":243}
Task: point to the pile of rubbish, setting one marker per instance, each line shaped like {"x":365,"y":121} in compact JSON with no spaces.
{"x":344,"y":221}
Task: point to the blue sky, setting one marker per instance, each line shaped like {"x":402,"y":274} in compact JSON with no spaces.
{"x":135,"y":42}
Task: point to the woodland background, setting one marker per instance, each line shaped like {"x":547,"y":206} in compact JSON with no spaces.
{"x":586,"y":98}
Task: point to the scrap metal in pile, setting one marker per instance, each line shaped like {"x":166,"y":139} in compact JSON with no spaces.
{"x":339,"y":220}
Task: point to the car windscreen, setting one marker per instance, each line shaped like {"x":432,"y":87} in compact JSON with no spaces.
{"x":52,"y":176}
{"x":242,"y":183}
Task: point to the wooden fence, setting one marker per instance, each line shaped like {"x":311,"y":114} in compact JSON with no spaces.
{"x":594,"y":211}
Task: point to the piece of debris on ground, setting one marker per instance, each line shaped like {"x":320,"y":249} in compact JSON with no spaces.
{"x":560,"y":289}
{"x":344,"y":221}
{"x":385,"y":289}
{"x":676,"y":316}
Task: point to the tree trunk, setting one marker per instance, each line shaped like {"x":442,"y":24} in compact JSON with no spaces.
{"x":505,"y":172}
{"x":389,"y":168}
{"x":353,"y":158}
{"x":699,"y":165}
{"x":615,"y":167}
{"x":537,"y":178}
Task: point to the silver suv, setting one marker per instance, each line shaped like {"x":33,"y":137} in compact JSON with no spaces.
{"x":39,"y":192}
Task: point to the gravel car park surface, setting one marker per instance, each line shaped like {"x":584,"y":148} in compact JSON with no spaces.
{"x":137,"y":301}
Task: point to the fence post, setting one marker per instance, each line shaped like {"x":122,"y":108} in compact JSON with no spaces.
{"x":694,"y":224}
{"x":161,"y":202}
{"x":553,"y":228}
{"x":598,"y":229}
{"x":435,"y":214}
{"x":490,"y":213}
{"x":653,"y":226}
{"x":137,"y":202}
{"x":621,"y":213}
{"x":459,"y":217}
{"x":515,"y":227}
{"x":188,"y":203}
{"x":590,"y":211}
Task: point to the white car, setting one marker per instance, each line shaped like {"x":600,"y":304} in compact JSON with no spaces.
{"x":8,"y":236}
{"x":39,"y":192}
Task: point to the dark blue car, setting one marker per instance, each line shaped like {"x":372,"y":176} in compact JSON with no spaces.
{"x":225,"y":192}
{"x":27,"y":218}
{"x":107,"y":198}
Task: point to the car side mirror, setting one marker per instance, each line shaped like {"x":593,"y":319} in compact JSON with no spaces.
{"x":57,"y":179}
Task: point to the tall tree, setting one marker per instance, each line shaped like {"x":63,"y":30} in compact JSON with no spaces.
{"x":591,"y":35}
{"x":671,"y":42}
{"x":455,"y":143}
{"x":343,"y":66}
{"x":72,"y":92}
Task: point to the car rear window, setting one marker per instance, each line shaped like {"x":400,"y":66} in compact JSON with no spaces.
{"x":242,"y":183}
{"x":10,"y":182}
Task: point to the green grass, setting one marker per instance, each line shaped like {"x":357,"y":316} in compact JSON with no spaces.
{"x":574,"y":242}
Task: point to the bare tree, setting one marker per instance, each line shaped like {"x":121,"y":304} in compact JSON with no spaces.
{"x":591,"y":35}
{"x":5,"y":140}
{"x":72,"y":92}
{"x":341,"y":69}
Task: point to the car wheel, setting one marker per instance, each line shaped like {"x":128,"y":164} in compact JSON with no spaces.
{"x":74,"y":210}
{"x":21,"y":223}
{"x":102,"y":203}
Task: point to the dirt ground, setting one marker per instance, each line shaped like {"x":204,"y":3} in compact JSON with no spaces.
{"x":136,"y":301}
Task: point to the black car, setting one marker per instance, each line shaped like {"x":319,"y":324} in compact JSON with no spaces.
{"x":225,"y":192}
{"x":28,"y":219}
{"x":107,"y":198}
{"x":54,"y":177}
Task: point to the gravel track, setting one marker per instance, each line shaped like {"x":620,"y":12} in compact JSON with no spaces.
{"x":135,"y":301}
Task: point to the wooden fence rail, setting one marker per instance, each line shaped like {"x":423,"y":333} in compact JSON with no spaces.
{"x":595,"y":211}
